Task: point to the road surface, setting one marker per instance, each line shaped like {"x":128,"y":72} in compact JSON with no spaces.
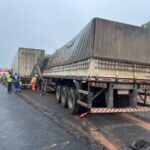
{"x":23,"y":127}
{"x":113,"y":131}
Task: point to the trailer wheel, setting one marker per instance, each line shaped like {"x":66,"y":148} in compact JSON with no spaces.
{"x":45,"y":88}
{"x":58,"y":93}
{"x":64,"y":96}
{"x":72,"y":101}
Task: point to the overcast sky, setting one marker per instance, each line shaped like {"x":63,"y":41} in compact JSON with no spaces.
{"x":49,"y":24}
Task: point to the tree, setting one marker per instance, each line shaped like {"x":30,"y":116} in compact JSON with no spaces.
{"x":146,"y":25}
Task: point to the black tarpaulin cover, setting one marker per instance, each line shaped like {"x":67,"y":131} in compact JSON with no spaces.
{"x":106,"y":40}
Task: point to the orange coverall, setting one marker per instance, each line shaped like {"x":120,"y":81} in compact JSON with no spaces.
{"x":33,"y":83}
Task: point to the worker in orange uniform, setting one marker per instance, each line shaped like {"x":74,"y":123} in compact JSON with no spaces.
{"x":33,"y":82}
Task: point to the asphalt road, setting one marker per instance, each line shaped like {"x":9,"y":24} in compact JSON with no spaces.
{"x":23,"y":127}
{"x":113,"y":131}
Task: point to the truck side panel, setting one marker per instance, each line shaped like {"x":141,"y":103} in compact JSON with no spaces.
{"x":101,"y":69}
{"x":121,"y":41}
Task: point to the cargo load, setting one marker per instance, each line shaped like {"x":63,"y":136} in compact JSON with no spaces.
{"x":106,"y":39}
{"x":104,"y":49}
{"x":40,"y":66}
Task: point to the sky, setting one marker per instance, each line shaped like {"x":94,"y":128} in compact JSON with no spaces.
{"x":50,"y":24}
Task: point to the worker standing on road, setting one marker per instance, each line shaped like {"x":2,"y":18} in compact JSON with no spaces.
{"x":3,"y":78}
{"x":16,"y":80}
{"x":9,"y":81}
{"x":33,"y":82}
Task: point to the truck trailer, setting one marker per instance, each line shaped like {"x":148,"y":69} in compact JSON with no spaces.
{"x":24,"y":61}
{"x":102,"y":69}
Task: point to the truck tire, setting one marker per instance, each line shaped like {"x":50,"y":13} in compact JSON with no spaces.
{"x":58,"y":93}
{"x":45,"y":88}
{"x":72,"y":101}
{"x":64,"y":96}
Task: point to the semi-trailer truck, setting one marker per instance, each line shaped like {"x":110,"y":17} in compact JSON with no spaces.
{"x":102,"y":69}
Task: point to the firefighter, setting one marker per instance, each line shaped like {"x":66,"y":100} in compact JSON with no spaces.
{"x":9,"y":82}
{"x":33,"y":82}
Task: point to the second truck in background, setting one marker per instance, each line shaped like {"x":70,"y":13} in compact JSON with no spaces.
{"x":24,"y":61}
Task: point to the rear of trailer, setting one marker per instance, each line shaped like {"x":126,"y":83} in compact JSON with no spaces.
{"x":24,"y":61}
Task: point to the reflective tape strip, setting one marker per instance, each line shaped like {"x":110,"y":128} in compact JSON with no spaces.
{"x":84,"y":114}
{"x":119,"y":110}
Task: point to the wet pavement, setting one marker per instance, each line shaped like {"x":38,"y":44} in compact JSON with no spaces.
{"x":113,"y":131}
{"x":23,"y":127}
